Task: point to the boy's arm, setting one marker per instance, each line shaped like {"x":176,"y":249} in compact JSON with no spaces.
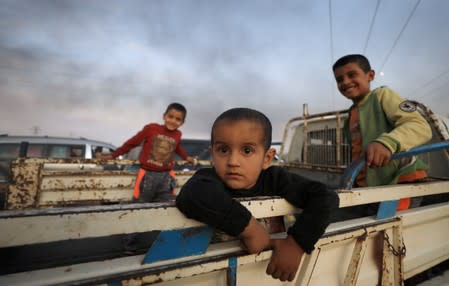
{"x":204,"y":198}
{"x":285,"y":259}
{"x":182,"y":152}
{"x":316,"y":201}
{"x":255,"y":237}
{"x":377,"y":154}
{"x":132,"y":142}
{"x":410,"y":128}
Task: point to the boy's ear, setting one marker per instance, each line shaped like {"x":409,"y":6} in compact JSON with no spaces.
{"x":371,"y":75}
{"x":269,"y":155}
{"x":211,"y":156}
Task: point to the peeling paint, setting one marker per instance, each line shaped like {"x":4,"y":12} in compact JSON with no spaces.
{"x":40,"y":182}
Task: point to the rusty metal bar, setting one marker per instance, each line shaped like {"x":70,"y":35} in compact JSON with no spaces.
{"x":387,"y":264}
{"x":24,"y":186}
{"x":307,"y":267}
{"x":356,"y":260}
{"x":305,"y":140}
{"x":393,"y":253}
{"x":398,"y":244}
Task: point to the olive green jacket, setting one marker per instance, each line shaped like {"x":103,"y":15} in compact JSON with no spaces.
{"x":387,"y":118}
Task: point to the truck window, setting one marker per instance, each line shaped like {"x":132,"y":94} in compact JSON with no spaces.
{"x":58,"y":151}
{"x":65,"y":151}
{"x":76,"y":151}
{"x":9,"y":151}
{"x":36,"y":150}
{"x":198,"y":148}
{"x":100,"y":150}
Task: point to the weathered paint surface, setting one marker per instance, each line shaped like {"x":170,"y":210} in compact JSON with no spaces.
{"x":179,"y":243}
{"x":23,"y":190}
{"x":62,"y":182}
{"x":329,"y":264}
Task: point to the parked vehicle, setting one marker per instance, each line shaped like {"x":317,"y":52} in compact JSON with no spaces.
{"x":51,"y":147}
{"x":45,"y":242}
{"x":12,"y":147}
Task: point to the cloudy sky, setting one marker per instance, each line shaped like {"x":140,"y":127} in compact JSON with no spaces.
{"x":102,"y":69}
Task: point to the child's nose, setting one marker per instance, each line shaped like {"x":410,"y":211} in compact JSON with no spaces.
{"x":233,"y":159}
{"x":345,"y":80}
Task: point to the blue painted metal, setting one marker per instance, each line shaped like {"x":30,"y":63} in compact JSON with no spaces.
{"x":115,"y":283}
{"x":353,"y":171}
{"x":232,"y":272}
{"x":388,"y":208}
{"x":179,"y":243}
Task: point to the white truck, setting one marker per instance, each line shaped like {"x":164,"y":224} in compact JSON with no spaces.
{"x":65,"y":221}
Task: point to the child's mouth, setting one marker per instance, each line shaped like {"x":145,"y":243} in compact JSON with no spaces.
{"x":233,"y":175}
{"x":349,"y":89}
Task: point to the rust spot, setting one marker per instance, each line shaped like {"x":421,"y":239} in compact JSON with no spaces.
{"x":68,"y":269}
{"x":346,"y":191}
{"x":122,"y":215}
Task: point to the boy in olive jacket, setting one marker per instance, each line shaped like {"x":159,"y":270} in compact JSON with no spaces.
{"x":380,"y":123}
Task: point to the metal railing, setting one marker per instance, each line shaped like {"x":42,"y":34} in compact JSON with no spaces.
{"x":356,"y":166}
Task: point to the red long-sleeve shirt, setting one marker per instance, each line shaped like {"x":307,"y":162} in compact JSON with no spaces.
{"x":159,"y":147}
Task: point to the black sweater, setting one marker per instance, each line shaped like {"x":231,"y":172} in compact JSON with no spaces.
{"x":206,"y":198}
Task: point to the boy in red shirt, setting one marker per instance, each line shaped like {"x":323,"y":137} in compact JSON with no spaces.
{"x":159,"y":145}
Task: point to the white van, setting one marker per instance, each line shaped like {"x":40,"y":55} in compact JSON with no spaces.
{"x":12,"y":147}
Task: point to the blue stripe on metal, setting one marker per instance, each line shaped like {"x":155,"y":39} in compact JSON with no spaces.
{"x":115,"y":283}
{"x":351,"y":173}
{"x":387,"y":209}
{"x":179,"y":243}
{"x":232,"y":272}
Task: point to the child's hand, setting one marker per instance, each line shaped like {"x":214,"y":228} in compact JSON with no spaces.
{"x":377,"y":155}
{"x":255,"y":237}
{"x":285,"y":259}
{"x":192,"y":160}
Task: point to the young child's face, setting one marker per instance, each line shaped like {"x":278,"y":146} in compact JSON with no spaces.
{"x":238,"y":153}
{"x":352,"y":81}
{"x":173,"y":119}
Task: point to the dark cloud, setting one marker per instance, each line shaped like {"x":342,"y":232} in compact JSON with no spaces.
{"x":105,"y":68}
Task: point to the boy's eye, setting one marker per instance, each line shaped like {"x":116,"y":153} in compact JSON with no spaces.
{"x":174,"y":118}
{"x":352,"y":74}
{"x":247,"y":150}
{"x":222,"y":149}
